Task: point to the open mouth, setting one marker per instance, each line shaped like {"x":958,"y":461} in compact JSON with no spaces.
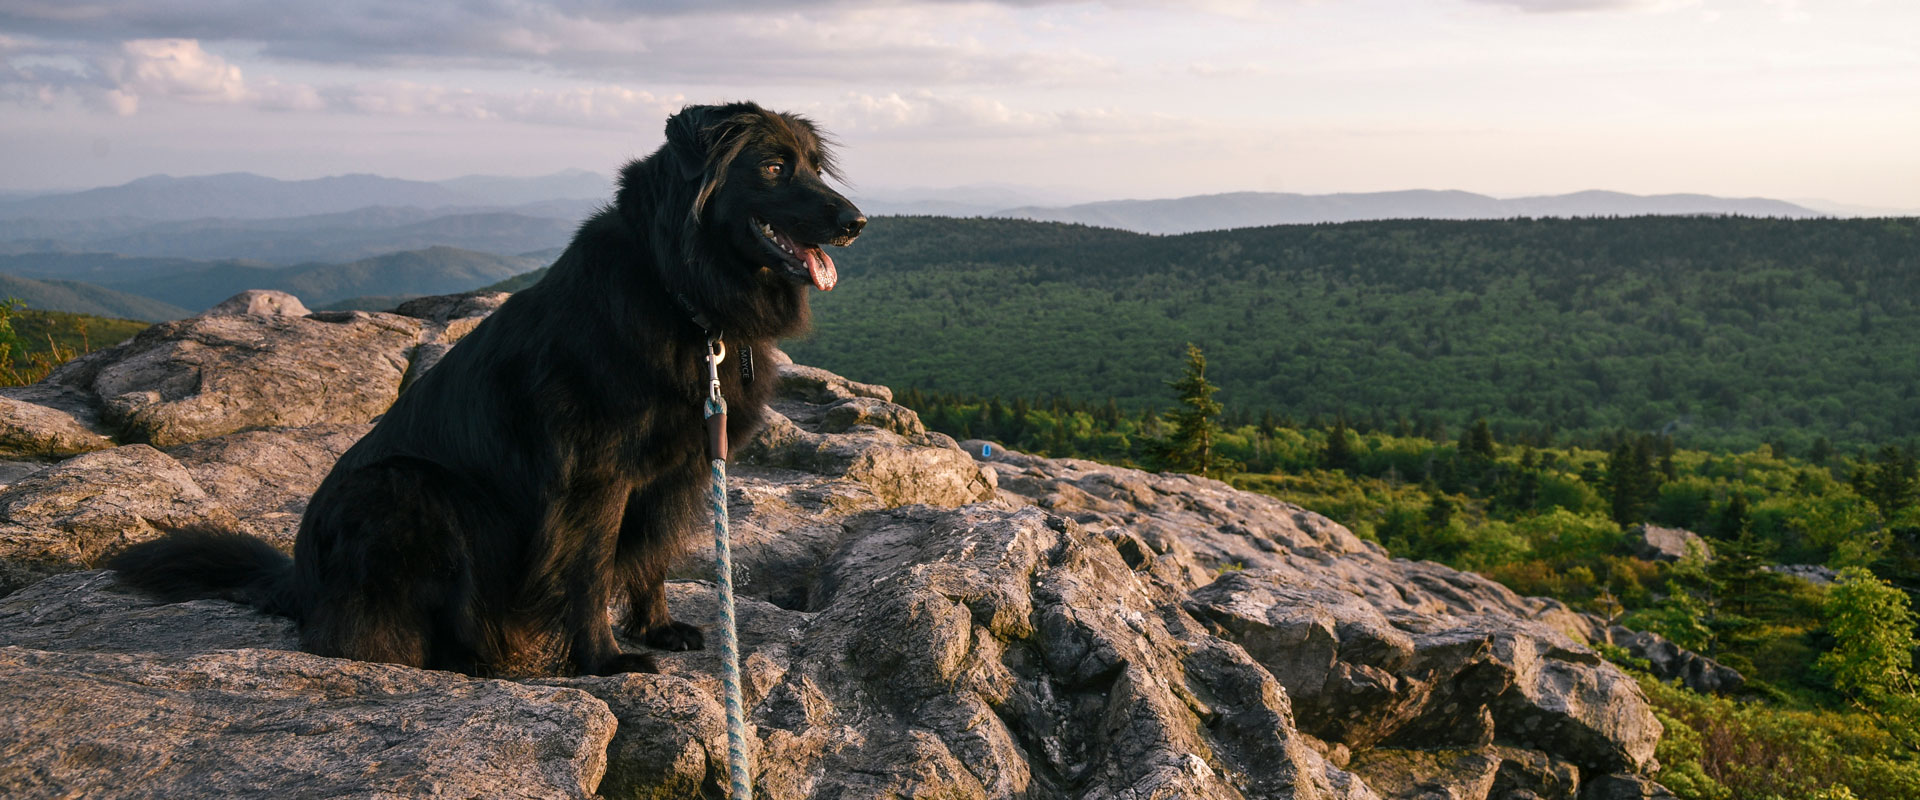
{"x":801,"y":261}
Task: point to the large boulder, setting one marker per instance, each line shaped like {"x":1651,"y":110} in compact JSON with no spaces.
{"x":270,"y":723}
{"x":196,"y":378}
{"x":1671,"y":662}
{"x":259,"y":302}
{"x":47,"y":421}
{"x":68,"y":516}
{"x":264,"y":477}
{"x":445,"y":320}
{"x":1656,"y":543}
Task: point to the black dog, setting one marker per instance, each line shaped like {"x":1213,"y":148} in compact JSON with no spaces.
{"x":556,"y":456}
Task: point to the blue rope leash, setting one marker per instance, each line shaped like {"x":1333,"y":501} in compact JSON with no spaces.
{"x":716,"y":416}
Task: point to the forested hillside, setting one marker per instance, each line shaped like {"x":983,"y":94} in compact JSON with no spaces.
{"x":171,"y":288}
{"x":86,"y":299}
{"x":1723,"y":332}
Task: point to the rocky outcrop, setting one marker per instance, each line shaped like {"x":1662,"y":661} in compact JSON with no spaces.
{"x":1671,"y":662}
{"x":1655,"y":543}
{"x":67,"y":516}
{"x":259,"y":302}
{"x":271,"y":723}
{"x":1816,"y":574}
{"x":49,"y":421}
{"x":915,"y":622}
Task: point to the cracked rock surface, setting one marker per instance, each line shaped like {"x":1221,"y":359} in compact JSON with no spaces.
{"x":916,"y":621}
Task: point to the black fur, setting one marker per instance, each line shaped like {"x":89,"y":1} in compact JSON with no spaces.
{"x":554,"y":460}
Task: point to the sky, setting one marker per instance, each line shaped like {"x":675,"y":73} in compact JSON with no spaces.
{"x":1084,"y":100}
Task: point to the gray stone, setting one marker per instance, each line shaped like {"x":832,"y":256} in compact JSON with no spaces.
{"x":193,"y":379}
{"x":447,"y":319}
{"x":1624,"y":787}
{"x":89,"y":612}
{"x":1429,"y":775}
{"x":266,"y":476}
{"x":1816,"y":574}
{"x":446,"y":308}
{"x":11,"y":471}
{"x":1534,"y":775}
{"x":1670,"y":662}
{"x":672,"y":738}
{"x":1655,"y":543}
{"x":259,"y":302}
{"x":267,"y":723}
{"x":68,"y":516}
{"x":914,"y":622}
{"x":48,"y":420}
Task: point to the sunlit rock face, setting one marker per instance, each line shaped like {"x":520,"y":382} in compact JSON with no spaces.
{"x":917,"y":619}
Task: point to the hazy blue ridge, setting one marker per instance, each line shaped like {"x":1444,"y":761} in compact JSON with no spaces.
{"x":81,"y":298}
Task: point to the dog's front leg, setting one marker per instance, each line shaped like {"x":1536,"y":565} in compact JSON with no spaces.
{"x":594,"y":649}
{"x":650,"y":538}
{"x":577,"y":571}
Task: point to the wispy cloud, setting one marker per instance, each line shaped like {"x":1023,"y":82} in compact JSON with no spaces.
{"x":1559,"y":6}
{"x":675,"y":41}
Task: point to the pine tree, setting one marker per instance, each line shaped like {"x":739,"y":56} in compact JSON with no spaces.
{"x":1891,"y":482}
{"x":1733,"y":518}
{"x":1822,"y":451}
{"x":1480,"y":440}
{"x":1631,"y":481}
{"x":1747,"y":589}
{"x":1339,"y":452}
{"x":1195,"y":420}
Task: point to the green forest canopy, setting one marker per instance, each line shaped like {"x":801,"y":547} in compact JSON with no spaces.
{"x":1724,"y":332}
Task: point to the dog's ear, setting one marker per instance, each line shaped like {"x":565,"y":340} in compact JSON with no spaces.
{"x":690,"y":134}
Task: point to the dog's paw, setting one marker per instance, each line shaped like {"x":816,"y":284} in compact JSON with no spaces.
{"x":627,"y":662}
{"x":675,"y":636}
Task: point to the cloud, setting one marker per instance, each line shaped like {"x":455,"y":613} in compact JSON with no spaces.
{"x":615,"y":107}
{"x":928,"y":115}
{"x":122,"y":78}
{"x":174,"y":68}
{"x":742,"y":41}
{"x":1559,"y":6}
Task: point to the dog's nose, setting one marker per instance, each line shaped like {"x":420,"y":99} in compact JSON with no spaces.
{"x":851,"y":221}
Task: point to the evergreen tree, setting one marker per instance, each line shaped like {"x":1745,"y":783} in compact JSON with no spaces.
{"x":1632,"y":483}
{"x":1339,"y":452}
{"x":1440,"y":511}
{"x":1190,"y":445}
{"x":1822,"y":451}
{"x":1891,"y":481}
{"x":1747,"y":590}
{"x":1480,"y":440}
{"x":1733,"y":517}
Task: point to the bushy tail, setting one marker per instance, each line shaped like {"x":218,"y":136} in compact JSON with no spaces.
{"x":204,"y":561}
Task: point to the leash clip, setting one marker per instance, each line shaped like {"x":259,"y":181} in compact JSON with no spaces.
{"x":716,"y":353}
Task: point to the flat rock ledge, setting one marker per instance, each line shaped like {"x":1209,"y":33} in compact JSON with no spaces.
{"x":916,"y":621}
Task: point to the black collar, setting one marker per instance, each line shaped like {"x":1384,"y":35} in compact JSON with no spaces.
{"x":699,"y":318}
{"x":745,"y":350}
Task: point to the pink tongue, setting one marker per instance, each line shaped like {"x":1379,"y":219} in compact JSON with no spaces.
{"x":821,"y":266}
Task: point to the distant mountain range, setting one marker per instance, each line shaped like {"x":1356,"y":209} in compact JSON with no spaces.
{"x":361,"y":240}
{"x":173,"y":287}
{"x":1258,"y":209}
{"x":242,"y":195}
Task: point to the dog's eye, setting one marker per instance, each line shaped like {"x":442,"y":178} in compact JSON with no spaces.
{"x":774,"y":169}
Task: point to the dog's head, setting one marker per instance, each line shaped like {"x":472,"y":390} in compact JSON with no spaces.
{"x":762,"y":193}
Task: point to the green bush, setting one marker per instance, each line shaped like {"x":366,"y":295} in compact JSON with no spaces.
{"x":1721,"y":749}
